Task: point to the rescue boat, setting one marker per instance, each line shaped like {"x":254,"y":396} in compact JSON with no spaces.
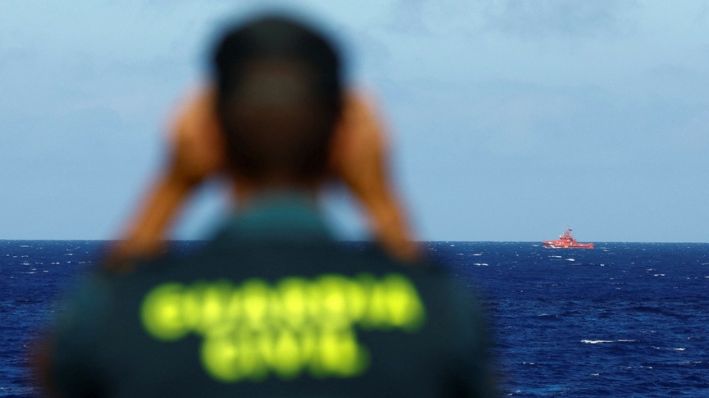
{"x":566,"y":241}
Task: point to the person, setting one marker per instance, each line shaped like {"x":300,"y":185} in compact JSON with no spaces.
{"x":272,"y":305}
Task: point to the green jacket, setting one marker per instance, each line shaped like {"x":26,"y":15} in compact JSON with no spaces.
{"x":272,"y":306}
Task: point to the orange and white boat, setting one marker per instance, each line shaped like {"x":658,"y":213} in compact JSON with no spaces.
{"x":566,"y":241}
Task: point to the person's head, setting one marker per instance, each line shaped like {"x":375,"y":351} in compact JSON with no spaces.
{"x":279,"y":97}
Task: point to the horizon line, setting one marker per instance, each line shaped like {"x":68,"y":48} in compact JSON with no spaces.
{"x":358,"y":241}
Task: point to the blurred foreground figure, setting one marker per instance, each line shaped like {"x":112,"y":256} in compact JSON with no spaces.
{"x":272,"y":305}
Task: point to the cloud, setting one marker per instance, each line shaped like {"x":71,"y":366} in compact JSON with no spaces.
{"x":536,"y":19}
{"x":528,"y":19}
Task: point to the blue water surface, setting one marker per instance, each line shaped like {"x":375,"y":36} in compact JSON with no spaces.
{"x":624,"y":319}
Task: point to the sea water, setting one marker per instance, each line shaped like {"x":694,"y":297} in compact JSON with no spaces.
{"x":624,"y":319}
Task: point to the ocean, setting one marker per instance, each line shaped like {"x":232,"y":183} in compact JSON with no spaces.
{"x":623,"y":320}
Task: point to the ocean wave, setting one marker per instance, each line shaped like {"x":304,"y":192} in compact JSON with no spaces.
{"x":670,"y":348}
{"x":586,"y":341}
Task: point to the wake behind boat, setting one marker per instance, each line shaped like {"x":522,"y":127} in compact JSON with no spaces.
{"x":566,"y":241}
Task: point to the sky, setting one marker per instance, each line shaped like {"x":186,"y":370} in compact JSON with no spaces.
{"x":510,"y":119}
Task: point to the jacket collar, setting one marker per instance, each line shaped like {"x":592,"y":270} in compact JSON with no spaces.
{"x":283,"y":216}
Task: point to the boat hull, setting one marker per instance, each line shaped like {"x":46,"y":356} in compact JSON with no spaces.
{"x":555,"y":244}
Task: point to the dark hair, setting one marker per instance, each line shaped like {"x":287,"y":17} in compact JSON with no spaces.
{"x":279,"y":95}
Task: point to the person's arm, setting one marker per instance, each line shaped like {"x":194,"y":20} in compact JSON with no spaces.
{"x":194,"y":155}
{"x":360,"y":158}
{"x":144,"y":234}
